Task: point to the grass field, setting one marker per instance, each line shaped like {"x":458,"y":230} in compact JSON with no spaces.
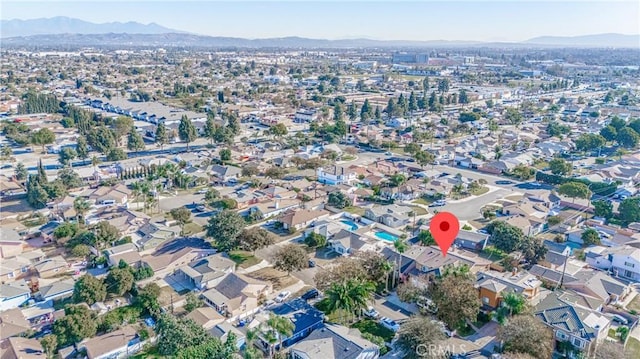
{"x":355,"y":210}
{"x":635,"y":304}
{"x":244,"y":259}
{"x":633,"y":345}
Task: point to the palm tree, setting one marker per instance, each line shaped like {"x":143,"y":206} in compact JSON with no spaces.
{"x":250,"y":351}
{"x":388,"y":269}
{"x":400,"y":246}
{"x":81,"y":206}
{"x":269,"y":335}
{"x":94,"y":162}
{"x":282,"y":326}
{"x":350,"y":296}
{"x":515,"y":303}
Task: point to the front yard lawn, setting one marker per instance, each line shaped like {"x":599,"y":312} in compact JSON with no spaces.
{"x":423,"y":201}
{"x":192,"y":228}
{"x":244,"y":259}
{"x":374,"y":328}
{"x":419,"y":211}
{"x":480,"y":191}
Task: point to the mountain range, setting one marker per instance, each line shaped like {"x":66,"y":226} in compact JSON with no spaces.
{"x":68,"y":25}
{"x":74,"y":32}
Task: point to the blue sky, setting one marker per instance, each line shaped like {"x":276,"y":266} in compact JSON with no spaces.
{"x":512,"y":20}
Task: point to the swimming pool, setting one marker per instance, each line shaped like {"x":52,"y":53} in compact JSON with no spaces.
{"x":385,"y":236}
{"x":353,"y":224}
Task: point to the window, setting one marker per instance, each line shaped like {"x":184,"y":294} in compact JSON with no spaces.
{"x":627,"y":264}
{"x":485,"y":300}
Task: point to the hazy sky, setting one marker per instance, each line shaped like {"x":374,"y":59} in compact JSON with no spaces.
{"x":512,"y":20}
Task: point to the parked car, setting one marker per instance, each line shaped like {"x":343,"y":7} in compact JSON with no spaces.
{"x":371,"y":313}
{"x":282,"y":296}
{"x":504,"y":182}
{"x":438,"y":203}
{"x":312,"y":263}
{"x":202,"y":191}
{"x":310,"y":294}
{"x":389,"y":324}
{"x":201,"y":208}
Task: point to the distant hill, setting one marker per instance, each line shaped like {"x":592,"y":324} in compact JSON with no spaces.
{"x":599,"y":40}
{"x":67,"y":25}
{"x":74,"y":32}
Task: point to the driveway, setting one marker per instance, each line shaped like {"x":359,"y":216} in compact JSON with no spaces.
{"x":485,"y":336}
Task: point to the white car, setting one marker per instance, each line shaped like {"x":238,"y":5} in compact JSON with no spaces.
{"x":282,"y":296}
{"x":371,"y":313}
{"x":202,"y":191}
{"x":389,"y":324}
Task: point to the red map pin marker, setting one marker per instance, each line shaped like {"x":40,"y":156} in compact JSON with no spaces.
{"x":444,"y":228}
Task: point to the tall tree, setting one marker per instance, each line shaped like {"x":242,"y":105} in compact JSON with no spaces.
{"x":225,"y":227}
{"x":559,"y":166}
{"x":210,"y":128}
{"x":528,"y":335}
{"x":122,"y":126}
{"x":161,"y":136}
{"x":135,"y":142}
{"x":82,"y":148}
{"x":254,"y":238}
{"x":43,"y":137}
{"x":187,"y":131}
{"x":574,"y":190}
{"x":21,"y":172}
{"x":337,"y":111}
{"x":89,"y":289}
{"x":456,"y":298}
{"x":119,"y":281}
{"x":289,"y":258}
{"x":77,"y":324}
{"x":419,"y":338}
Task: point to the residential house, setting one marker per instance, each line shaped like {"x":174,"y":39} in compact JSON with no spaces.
{"x":52,"y":267}
{"x":529,"y":225}
{"x":222,"y":331}
{"x":165,"y":262}
{"x":126,"y":252}
{"x":56,"y":291}
{"x":492,"y":286}
{"x":21,"y":348}
{"x":206,"y":317}
{"x":108,"y":196}
{"x":622,"y":261}
{"x":152,"y":234}
{"x":391,"y":215}
{"x":297,"y":219}
{"x":12,"y":323}
{"x":13,"y":295}
{"x":335,"y":175}
{"x":208,"y":271}
{"x":237,"y":295}
{"x":471,"y":240}
{"x":599,"y":285}
{"x":346,"y":242}
{"x":428,"y":262}
{"x":225,"y":174}
{"x":11,"y":243}
{"x":304,"y":317}
{"x":335,"y":342}
{"x":14,"y":268}
{"x":120,"y":343}
{"x":581,"y":327}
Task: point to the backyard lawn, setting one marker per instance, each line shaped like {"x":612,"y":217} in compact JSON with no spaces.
{"x":634,"y":304}
{"x":244,"y":259}
{"x":355,"y":210}
{"x":633,"y":345}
